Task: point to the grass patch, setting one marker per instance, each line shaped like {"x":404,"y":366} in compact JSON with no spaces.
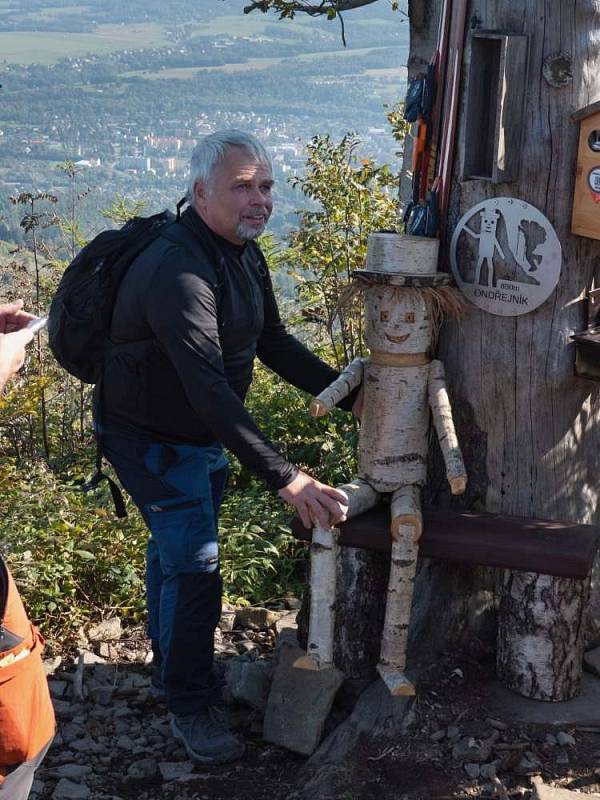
{"x":29,"y":47}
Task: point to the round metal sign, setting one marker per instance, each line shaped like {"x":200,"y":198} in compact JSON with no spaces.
{"x":594,"y":180}
{"x":505,"y":256}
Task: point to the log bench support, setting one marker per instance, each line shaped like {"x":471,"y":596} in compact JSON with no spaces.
{"x":542,"y":610}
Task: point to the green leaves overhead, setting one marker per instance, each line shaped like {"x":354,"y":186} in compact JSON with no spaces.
{"x":352,"y":196}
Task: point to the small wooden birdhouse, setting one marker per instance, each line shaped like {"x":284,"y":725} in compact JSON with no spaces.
{"x":586,"y":205}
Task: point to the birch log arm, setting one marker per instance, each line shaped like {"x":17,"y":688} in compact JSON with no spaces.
{"x":346,"y":382}
{"x":441,"y":412}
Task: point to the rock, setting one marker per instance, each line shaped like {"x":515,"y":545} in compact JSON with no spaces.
{"x":73,"y":731}
{"x":261,"y":617}
{"x":227,"y":620}
{"x":291,"y":602}
{"x":299,"y":702}
{"x":528,"y":765}
{"x":70,"y":771}
{"x":497,"y":724}
{"x":562,"y":758}
{"x":470,"y":749}
{"x":63,"y":708}
{"x":551,"y":740}
{"x":58,"y":740}
{"x":438,"y":736}
{"x":85,"y":745}
{"x":108,"y":651}
{"x":67,"y":790}
{"x":452,"y":732}
{"x":246,"y":647}
{"x":91,"y":658}
{"x":542,"y":791}
{"x":287,"y":620}
{"x":37,"y":787}
{"x":489,"y":770}
{"x":472,"y":770}
{"x":591,"y":661}
{"x":109,"y":630}
{"x":52,"y":664}
{"x":142,"y":770}
{"x":249,"y":682}
{"x":173,"y":770}
{"x":57,"y":688}
{"x":101,"y":694}
{"x":565,"y":739}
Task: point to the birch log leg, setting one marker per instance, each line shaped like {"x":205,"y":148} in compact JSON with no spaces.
{"x":541,"y":635}
{"x":323,"y":553}
{"x":407,"y":524}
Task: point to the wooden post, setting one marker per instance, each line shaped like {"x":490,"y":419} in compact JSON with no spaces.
{"x":530,"y":430}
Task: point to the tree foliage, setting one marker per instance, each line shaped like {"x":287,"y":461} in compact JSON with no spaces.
{"x":288,"y":8}
{"x":352,"y":196}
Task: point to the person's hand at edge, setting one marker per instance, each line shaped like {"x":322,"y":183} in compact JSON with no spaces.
{"x":12,"y":317}
{"x":315,"y":501}
{"x":12,"y":353}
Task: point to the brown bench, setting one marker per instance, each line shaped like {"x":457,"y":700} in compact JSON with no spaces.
{"x":541,"y":615}
{"x":562,"y":549}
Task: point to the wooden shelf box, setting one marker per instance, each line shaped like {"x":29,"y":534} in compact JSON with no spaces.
{"x":586,"y":203}
{"x":496,"y":93}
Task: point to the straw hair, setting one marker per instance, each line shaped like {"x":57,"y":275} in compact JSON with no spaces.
{"x":440,"y":301}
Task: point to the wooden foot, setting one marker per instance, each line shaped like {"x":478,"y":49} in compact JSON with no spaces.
{"x":312,"y":663}
{"x":396,"y":681}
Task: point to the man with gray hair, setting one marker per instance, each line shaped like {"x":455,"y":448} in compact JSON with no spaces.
{"x":192,"y":313}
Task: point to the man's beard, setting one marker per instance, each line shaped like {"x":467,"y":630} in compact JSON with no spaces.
{"x":248,"y":232}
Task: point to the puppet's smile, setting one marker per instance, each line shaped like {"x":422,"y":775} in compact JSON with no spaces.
{"x":397,"y":339}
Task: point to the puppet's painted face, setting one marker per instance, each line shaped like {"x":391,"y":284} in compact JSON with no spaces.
{"x":397,"y":321}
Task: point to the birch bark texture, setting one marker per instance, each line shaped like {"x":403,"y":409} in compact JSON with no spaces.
{"x":401,"y":387}
{"x":513,"y":377}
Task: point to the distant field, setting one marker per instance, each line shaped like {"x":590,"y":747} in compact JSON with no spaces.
{"x":234,"y":25}
{"x":46,"y":48}
{"x":187,"y":73}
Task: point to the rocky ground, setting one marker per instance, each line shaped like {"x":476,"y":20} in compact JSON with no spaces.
{"x":114,"y":743}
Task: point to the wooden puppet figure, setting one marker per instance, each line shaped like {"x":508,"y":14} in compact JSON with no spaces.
{"x":403,"y":388}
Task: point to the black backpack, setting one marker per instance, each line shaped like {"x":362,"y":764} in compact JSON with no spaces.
{"x":80,"y":316}
{"x":81,"y":310}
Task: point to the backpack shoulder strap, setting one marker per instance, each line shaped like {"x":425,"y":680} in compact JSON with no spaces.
{"x":207,"y":253}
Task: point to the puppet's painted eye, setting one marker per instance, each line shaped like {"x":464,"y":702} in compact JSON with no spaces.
{"x":384,"y":316}
{"x":409,"y":316}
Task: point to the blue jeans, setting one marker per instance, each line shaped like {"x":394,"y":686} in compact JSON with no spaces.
{"x":178,"y":489}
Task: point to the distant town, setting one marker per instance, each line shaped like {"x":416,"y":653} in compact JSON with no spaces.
{"x":128,"y":120}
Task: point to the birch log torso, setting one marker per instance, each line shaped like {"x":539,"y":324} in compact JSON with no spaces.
{"x":393,"y":442}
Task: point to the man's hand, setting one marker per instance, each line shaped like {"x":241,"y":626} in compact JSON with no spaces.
{"x":315,"y":501}
{"x":12,"y":353}
{"x":12,"y":317}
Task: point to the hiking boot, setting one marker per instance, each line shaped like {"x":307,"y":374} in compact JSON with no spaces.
{"x":206,"y":738}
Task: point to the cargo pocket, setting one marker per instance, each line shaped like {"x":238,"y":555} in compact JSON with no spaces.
{"x":184,"y":533}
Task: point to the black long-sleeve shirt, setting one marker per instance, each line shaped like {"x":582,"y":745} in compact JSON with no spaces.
{"x":190,"y":318}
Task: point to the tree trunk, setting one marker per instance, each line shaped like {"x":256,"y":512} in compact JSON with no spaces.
{"x":540,"y":635}
{"x":532,"y":445}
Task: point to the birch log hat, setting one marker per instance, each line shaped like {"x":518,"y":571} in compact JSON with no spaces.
{"x":395,"y":259}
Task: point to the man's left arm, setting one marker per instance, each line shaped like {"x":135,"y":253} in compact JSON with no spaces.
{"x":289,"y":358}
